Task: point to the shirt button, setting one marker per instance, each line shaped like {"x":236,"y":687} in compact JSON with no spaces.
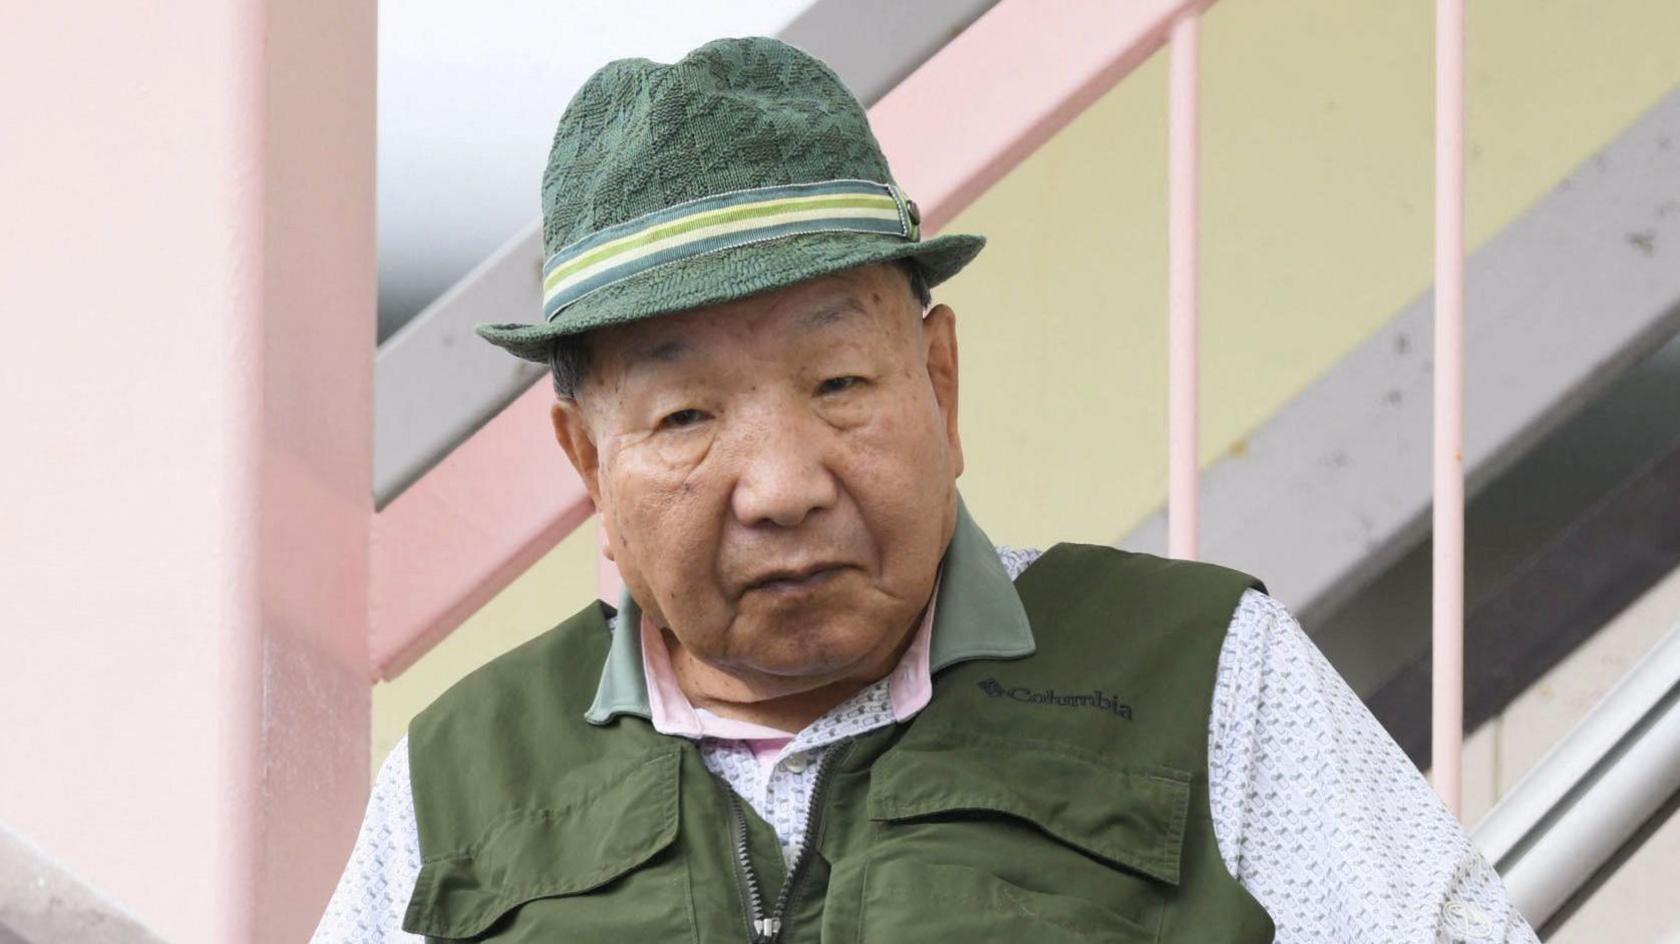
{"x":796,"y":763}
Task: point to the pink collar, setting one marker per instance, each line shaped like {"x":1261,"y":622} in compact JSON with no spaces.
{"x":909,"y":687}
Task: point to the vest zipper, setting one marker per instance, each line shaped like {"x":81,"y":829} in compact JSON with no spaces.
{"x":767,"y":929}
{"x":752,"y":901}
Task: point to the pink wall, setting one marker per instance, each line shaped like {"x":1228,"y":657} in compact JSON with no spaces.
{"x":186,"y":283}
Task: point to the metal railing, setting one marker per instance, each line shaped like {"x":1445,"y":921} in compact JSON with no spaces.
{"x":1590,"y":801}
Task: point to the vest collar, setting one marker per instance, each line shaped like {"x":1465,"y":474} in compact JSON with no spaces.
{"x":978,"y":616}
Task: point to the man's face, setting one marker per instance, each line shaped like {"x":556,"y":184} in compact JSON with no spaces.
{"x":776,"y":474}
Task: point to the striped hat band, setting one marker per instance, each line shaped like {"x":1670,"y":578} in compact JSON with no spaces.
{"x":722,"y":221}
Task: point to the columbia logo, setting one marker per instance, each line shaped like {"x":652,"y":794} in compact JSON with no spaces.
{"x":1095,"y":699}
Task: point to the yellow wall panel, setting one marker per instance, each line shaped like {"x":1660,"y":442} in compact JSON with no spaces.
{"x":1317,"y":226}
{"x":554,"y":588}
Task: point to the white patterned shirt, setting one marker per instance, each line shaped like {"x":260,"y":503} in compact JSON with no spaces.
{"x":1316,"y":811}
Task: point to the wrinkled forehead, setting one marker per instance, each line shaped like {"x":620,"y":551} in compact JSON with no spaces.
{"x":872,"y":303}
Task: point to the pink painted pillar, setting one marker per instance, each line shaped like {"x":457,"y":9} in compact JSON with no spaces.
{"x":1447,"y":714}
{"x":187,"y":277}
{"x":1183,"y":230}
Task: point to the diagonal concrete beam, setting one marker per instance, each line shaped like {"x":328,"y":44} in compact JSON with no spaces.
{"x":1336,"y":486}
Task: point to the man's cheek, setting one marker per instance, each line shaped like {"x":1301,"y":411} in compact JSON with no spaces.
{"x":909,"y":425}
{"x":888,"y":469}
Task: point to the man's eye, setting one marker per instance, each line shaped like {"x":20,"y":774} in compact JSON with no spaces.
{"x":682,"y":418}
{"x":836,"y":384}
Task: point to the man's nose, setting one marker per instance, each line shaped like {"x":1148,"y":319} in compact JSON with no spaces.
{"x":782,"y":477}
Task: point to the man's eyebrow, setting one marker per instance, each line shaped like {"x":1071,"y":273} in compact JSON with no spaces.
{"x":827,"y":314}
{"x":664,"y":352}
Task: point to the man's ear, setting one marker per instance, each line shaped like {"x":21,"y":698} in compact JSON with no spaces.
{"x":572,"y":432}
{"x":939,"y":333}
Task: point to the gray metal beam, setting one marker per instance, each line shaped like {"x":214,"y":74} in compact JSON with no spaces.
{"x":436,"y":383}
{"x":1336,"y":486}
{"x":42,"y":903}
{"x":874,"y":44}
{"x":1559,"y":486}
{"x":1596,"y":566}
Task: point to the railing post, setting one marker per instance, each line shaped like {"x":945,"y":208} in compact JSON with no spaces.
{"x":1447,"y":724}
{"x":1183,"y":228}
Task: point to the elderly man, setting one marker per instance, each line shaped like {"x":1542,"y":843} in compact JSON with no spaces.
{"x":827,"y":708}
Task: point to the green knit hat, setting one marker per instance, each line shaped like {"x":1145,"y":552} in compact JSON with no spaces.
{"x":745,"y":167}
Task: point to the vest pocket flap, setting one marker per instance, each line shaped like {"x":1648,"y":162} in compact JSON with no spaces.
{"x":1131,"y":817}
{"x":619,"y":821}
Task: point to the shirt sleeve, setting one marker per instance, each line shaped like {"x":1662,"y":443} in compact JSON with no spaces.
{"x":367,"y":906}
{"x":1321,"y":816}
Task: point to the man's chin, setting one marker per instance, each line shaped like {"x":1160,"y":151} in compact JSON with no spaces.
{"x":811,"y":656}
{"x":771,"y":622}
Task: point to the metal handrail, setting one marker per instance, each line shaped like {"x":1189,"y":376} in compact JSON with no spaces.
{"x":1592,"y":799}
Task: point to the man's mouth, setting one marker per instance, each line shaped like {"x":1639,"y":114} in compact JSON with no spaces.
{"x":793,"y":581}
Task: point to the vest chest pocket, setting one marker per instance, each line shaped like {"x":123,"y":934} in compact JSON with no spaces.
{"x":1020,"y":841}
{"x":598,"y":868}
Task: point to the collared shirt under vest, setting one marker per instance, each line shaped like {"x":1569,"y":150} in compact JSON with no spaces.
{"x":1054,"y":788}
{"x":1318,"y":813}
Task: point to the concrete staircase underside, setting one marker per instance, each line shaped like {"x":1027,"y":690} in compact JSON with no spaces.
{"x":41,"y":903}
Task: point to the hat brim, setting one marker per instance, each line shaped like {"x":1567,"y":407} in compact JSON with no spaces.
{"x":727,"y":275}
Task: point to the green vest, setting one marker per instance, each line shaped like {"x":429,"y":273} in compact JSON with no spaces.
{"x":1057,"y":797}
